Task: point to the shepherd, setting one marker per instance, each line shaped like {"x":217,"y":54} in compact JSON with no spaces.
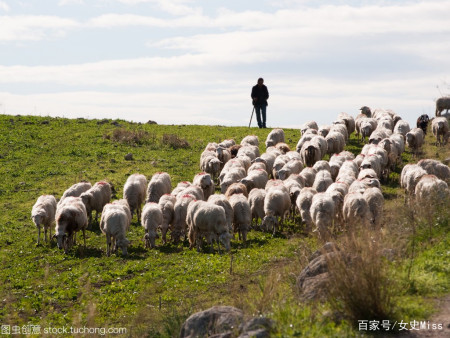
{"x":260,"y":95}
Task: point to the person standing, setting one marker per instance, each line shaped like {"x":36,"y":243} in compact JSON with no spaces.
{"x":260,"y":94}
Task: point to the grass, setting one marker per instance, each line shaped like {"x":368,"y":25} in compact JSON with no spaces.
{"x":151,"y":292}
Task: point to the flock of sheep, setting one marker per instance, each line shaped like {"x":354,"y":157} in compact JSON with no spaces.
{"x":268,"y":187}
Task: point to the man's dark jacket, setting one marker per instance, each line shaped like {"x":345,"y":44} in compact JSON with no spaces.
{"x":261,"y":93}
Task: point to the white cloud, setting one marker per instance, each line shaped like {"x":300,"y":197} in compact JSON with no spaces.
{"x":4,"y":6}
{"x":70,"y":2}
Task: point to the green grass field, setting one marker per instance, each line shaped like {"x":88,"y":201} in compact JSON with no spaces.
{"x":151,"y":292}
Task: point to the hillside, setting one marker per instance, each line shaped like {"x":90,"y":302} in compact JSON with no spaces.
{"x":151,"y":292}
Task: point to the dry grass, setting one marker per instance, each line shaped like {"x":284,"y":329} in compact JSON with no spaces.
{"x":174,"y":141}
{"x":131,"y":137}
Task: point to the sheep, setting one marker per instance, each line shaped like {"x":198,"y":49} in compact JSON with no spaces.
{"x":222,"y":201}
{"x":180,"y":187}
{"x":431,"y":191}
{"x":232,"y":176}
{"x":274,"y":137}
{"x":349,"y":122}
{"x":211,"y":165}
{"x":367,"y":127}
{"x":205,"y":182}
{"x":95,"y":198}
{"x":159,"y":185}
{"x":234,"y":163}
{"x":294,"y":184}
{"x":43,"y":213}
{"x":437,"y":168}
{"x":75,"y":190}
{"x":276,"y":184}
{"x":255,"y":179}
{"x":123,"y":203}
{"x":114,"y":223}
{"x":358,"y":121}
{"x":440,"y":127}
{"x":399,"y":142}
{"x":349,"y":167}
{"x":245,"y":160}
{"x":309,"y":175}
{"x":193,"y":190}
{"x":283,"y":147}
{"x":227,"y":143}
{"x":372,"y":162}
{"x":223,"y":154}
{"x":383,"y":156}
{"x":345,"y":178}
{"x":279,"y":163}
{"x":291,"y":167}
{"x":151,"y":220}
{"x":360,"y":185}
{"x":375,"y":201}
{"x":276,"y":204}
{"x":207,"y":219}
{"x":340,"y":128}
{"x":250,"y":140}
{"x":324,"y":130}
{"x":236,"y":188}
{"x":268,"y":159}
{"x":356,"y":210}
{"x":335,"y":142}
{"x":303,"y":203}
{"x":242,"y":215}
{"x":305,"y":138}
{"x":134,"y":191}
{"x":402,"y":127}
{"x":258,"y":165}
{"x":392,"y":150}
{"x":322,"y":181}
{"x":249,"y":150}
{"x":442,"y":103}
{"x":71,"y":217}
{"x":179,"y":217}
{"x":322,"y":165}
{"x":211,"y":146}
{"x":308,"y":125}
{"x":322,"y":213}
{"x":422,"y":123}
{"x":310,"y":153}
{"x":410,"y":176}
{"x":234,"y":150}
{"x":274,"y":151}
{"x":415,"y":139}
{"x":256,"y":200}
{"x":167,"y":205}
{"x":366,"y":111}
{"x":367,"y":173}
{"x":386,"y":122}
{"x":359,"y":159}
{"x":337,"y":193}
{"x":379,"y":134}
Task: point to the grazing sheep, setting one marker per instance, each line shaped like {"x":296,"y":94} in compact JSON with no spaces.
{"x":276,"y":204}
{"x":303,"y":204}
{"x":167,"y":206}
{"x":159,"y":185}
{"x":245,"y":160}
{"x":440,"y":128}
{"x":410,"y":176}
{"x":274,"y":137}
{"x":356,"y":210}
{"x":234,"y":175}
{"x":322,"y":165}
{"x":242,"y":215}
{"x":372,"y":162}
{"x":375,"y":201}
{"x":366,"y":127}
{"x":309,"y":175}
{"x":236,"y":188}
{"x":379,"y":134}
{"x":256,"y":201}
{"x":179,"y":225}
{"x":437,"y":168}
{"x":205,"y":182}
{"x":193,"y":190}
{"x":349,"y":122}
{"x":75,"y":190}
{"x":291,"y":167}
{"x":283,"y":147}
{"x":251,"y":140}
{"x":415,"y":139}
{"x":208,"y":220}
{"x":324,"y":130}
{"x":322,"y":181}
{"x":322,"y":213}
{"x":422,"y":123}
{"x":134,"y":191}
{"x":310,"y":153}
{"x":276,"y":184}
{"x":234,"y":150}
{"x":122,"y":203}
{"x":71,"y":217}
{"x":151,"y":220}
{"x":442,"y":103}
{"x":114,"y":224}
{"x":43,"y":213}
{"x":227,"y":143}
{"x":392,"y":150}
{"x":431,"y":191}
{"x":335,"y":142}
{"x":294,"y":184}
{"x":258,"y":165}
{"x":399,"y":142}
{"x":180,"y":187}
{"x":386,"y":123}
{"x":222,"y":201}
{"x":402,"y":127}
{"x":255,"y":179}
{"x":268,"y":159}
{"x":250,"y":151}
{"x":96,"y":198}
{"x":211,"y":165}
{"x":305,"y":138}
{"x":279,"y":163}
{"x":308,"y":125}
{"x":367,"y":173}
{"x":349,"y":167}
{"x":234,"y":163}
{"x":360,"y":185}
{"x":340,"y":128}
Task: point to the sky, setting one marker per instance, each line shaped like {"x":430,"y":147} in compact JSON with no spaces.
{"x":194,"y":62}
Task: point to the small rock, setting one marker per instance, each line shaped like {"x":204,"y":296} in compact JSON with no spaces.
{"x":45,"y":122}
{"x":115,"y":123}
{"x":104,"y":121}
{"x":129,"y":157}
{"x":151,"y":122}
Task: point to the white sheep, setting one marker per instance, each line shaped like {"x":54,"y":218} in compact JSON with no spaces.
{"x":305,"y":138}
{"x":309,"y":175}
{"x":349,"y":122}
{"x":227,"y":143}
{"x":279,"y":163}
{"x":96,"y":198}
{"x":310,"y":153}
{"x":293,"y":166}
{"x":356,"y":210}
{"x":275,"y":136}
{"x":252,"y":140}
{"x":249,"y":150}
{"x":322,"y":181}
{"x":277,"y":203}
{"x":223,"y":154}
{"x":193,"y":190}
{"x":151,"y":220}
{"x":167,"y":205}
{"x":242,"y":215}
{"x":379,"y":134}
{"x":114,"y":224}
{"x":322,"y":165}
{"x":431,"y":191}
{"x":402,"y":127}
{"x":440,"y":128}
{"x":415,"y":139}
{"x":71,"y":217}
{"x":268,"y":159}
{"x":205,"y":182}
{"x":256,"y":200}
{"x":75,"y":190}
{"x":234,"y":175}
{"x":303,"y":203}
{"x":221,"y":200}
{"x":43,"y":213}
{"x":159,"y":185}
{"x":179,"y":225}
{"x":308,"y":125}
{"x":375,"y":201}
{"x":255,"y":179}
{"x":123,"y":203}
{"x":322,"y":213}
{"x":134,"y":191}
{"x":367,"y":127}
{"x":435,"y":167}
{"x":335,"y":142}
{"x":294,"y":184}
{"x":180,"y":187}
{"x":236,"y":188}
{"x":212,"y":165}
{"x":410,"y":176}
{"x":372,"y":162}
{"x":340,"y":128}
{"x":260,"y":164}
{"x":324,"y":130}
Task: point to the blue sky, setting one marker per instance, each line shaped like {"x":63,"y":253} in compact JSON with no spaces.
{"x":182,"y":61}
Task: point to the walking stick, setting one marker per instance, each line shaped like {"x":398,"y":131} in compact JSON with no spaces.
{"x":251,"y":116}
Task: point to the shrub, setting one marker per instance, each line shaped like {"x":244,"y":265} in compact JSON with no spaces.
{"x":174,"y":141}
{"x":132,"y":137}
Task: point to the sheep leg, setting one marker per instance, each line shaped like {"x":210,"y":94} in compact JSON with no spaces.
{"x":84,"y":237}
{"x":108,"y":245}
{"x":39,"y":235}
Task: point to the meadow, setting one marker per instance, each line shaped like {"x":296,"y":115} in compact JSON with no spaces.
{"x":151,"y":292}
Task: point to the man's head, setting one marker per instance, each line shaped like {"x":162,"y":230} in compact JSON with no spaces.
{"x":260,"y":81}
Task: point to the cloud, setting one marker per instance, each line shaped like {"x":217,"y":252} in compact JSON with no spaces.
{"x":4,"y":6}
{"x":70,"y":2}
